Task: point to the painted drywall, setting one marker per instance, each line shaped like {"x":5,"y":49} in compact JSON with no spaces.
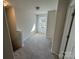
{"x":7,"y":45}
{"x":51,"y":22}
{"x":11,"y":20}
{"x":70,"y":51}
{"x":60,"y":21}
{"x":26,"y":13}
{"x":19,"y":38}
{"x":66,"y":29}
{"x":25,"y":22}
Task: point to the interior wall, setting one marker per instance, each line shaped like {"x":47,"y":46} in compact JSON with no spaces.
{"x":25,"y":20}
{"x":7,"y":45}
{"x":26,"y":13}
{"x":11,"y":21}
{"x":51,"y":23}
{"x":60,"y":21}
{"x":66,"y":29}
{"x":70,"y":51}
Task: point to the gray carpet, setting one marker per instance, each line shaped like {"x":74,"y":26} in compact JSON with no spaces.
{"x":36,"y":47}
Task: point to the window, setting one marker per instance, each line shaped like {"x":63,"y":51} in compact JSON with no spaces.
{"x":41,"y":23}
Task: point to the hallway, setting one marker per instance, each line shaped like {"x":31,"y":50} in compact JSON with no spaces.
{"x":36,"y":47}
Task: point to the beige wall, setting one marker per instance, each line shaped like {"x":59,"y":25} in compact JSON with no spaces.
{"x":11,"y":20}
{"x":70,"y":51}
{"x":60,"y":21}
{"x":7,"y":46}
{"x":66,"y":29}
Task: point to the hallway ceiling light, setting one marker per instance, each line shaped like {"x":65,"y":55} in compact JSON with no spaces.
{"x":37,"y":8}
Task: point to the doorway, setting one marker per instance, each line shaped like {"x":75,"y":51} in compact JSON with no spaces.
{"x":41,"y":23}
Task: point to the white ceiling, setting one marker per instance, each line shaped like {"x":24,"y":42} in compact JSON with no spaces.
{"x":45,"y":5}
